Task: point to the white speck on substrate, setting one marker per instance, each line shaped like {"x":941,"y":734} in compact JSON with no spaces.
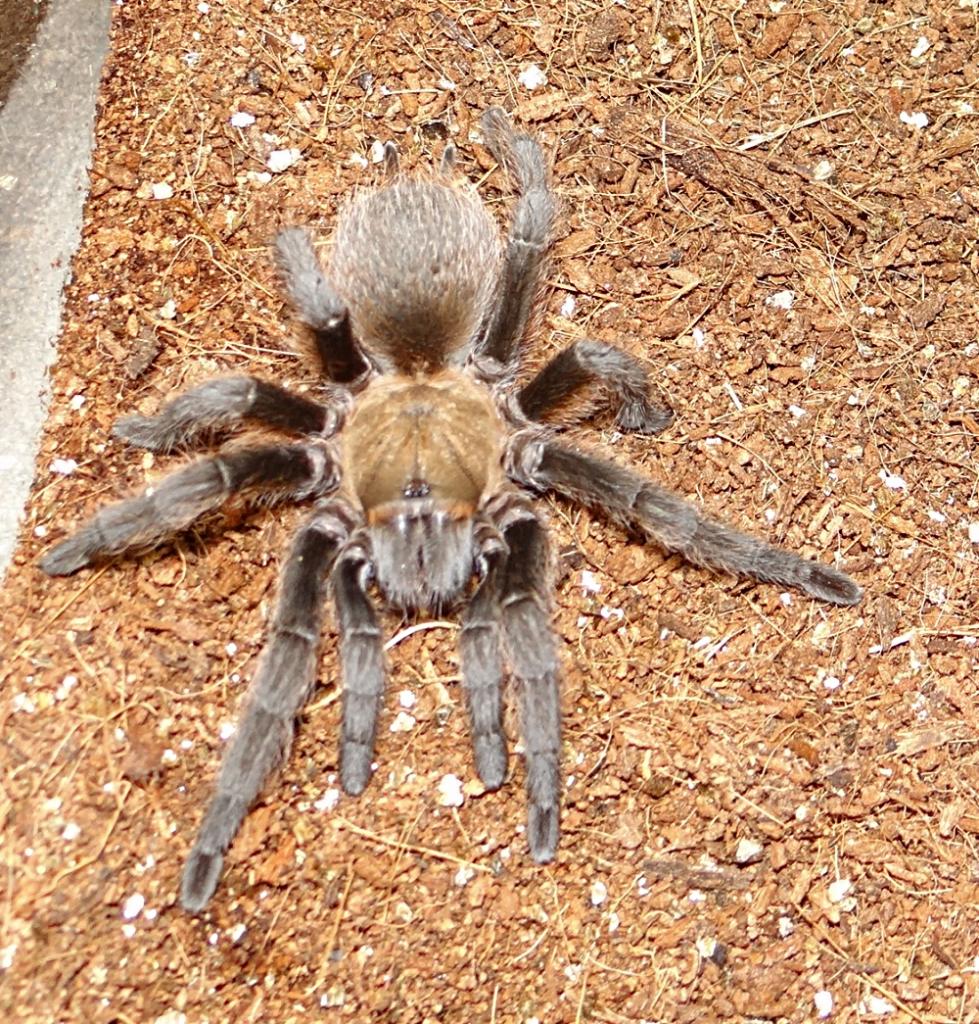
{"x":921,"y":47}
{"x":781,"y":300}
{"x":52,"y":805}
{"x":403,"y":722}
{"x":823,"y":171}
{"x":917,"y":120}
{"x":129,"y":930}
{"x":589,"y":582}
{"x":770,"y":515}
{"x":838,"y":890}
{"x":797,"y":411}
{"x":242,"y":119}
{"x":974,"y":533}
{"x":642,"y":886}
{"x":748,"y":851}
{"x":171,"y":1017}
{"x":212,"y":939}
{"x":298,"y":40}
{"x":21,"y":702}
{"x":169,"y":756}
{"x":446,"y":84}
{"x":186,"y":744}
{"x":231,"y":649}
{"x":568,"y":307}
{"x":168,"y":311}
{"x":696,"y":896}
{"x":77,"y":401}
{"x":203,"y":8}
{"x":64,"y":467}
{"x":151,"y":913}
{"x":40,"y":531}
{"x":133,"y":906}
{"x":377,"y":151}
{"x":892,"y":481}
{"x":328,"y":800}
{"x":876,"y":1005}
{"x":280,"y":160}
{"x":226,"y":730}
{"x":463,"y":876}
{"x":357,"y":160}
{"x":613,"y":922}
{"x":237,"y":932}
{"x":532,"y":77}
{"x":699,"y":338}
{"x":824,"y":1003}
{"x":161,"y":190}
{"x":935,"y":516}
{"x":786,"y":926}
{"x":407,"y":699}
{"x":831,"y":682}
{"x":66,"y":686}
{"x":71,"y":832}
{"x":598,"y":893}
{"x":7,"y":954}
{"x":450,"y":791}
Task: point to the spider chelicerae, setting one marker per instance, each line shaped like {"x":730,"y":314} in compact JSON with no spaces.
{"x":420,"y":457}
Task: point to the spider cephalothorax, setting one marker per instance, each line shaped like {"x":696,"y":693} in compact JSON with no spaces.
{"x":419,"y":458}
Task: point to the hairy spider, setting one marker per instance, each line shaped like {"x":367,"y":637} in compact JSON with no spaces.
{"x":423,"y":493}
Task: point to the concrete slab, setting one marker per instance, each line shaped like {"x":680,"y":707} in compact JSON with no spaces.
{"x":46,"y":135}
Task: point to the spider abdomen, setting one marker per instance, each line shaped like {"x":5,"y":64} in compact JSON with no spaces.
{"x":416,"y":262}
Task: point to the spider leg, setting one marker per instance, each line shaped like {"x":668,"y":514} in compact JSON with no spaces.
{"x":668,"y":520}
{"x":320,"y":307}
{"x":525,"y":589}
{"x":298,"y":470}
{"x":482,"y":661}
{"x":392,"y":160}
{"x":447,"y":164}
{"x":528,"y":241}
{"x":226,"y":402}
{"x":586,"y":363}
{"x":362,"y":666}
{"x":283,"y":682}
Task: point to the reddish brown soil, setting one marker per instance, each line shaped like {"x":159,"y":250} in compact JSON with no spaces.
{"x":710,"y":158}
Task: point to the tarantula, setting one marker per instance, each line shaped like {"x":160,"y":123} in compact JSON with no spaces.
{"x":419,"y":458}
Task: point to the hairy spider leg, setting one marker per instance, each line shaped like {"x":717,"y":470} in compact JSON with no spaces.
{"x":581,"y":366}
{"x":528,"y":240}
{"x":666,"y":519}
{"x":297,"y":471}
{"x":320,"y":308}
{"x":361,"y":665}
{"x":226,"y":402}
{"x":283,"y":682}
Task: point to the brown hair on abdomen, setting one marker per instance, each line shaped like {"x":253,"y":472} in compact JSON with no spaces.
{"x":416,"y":263}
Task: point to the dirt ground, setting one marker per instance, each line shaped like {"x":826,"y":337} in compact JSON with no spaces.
{"x":772,"y":806}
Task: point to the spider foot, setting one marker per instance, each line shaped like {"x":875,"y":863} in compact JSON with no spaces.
{"x":355,"y":767}
{"x":491,"y":760}
{"x":828,"y":584}
{"x":200,"y":879}
{"x":542,"y":832}
{"x":67,"y":557}
{"x":144,"y":432}
{"x":642,"y":417}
